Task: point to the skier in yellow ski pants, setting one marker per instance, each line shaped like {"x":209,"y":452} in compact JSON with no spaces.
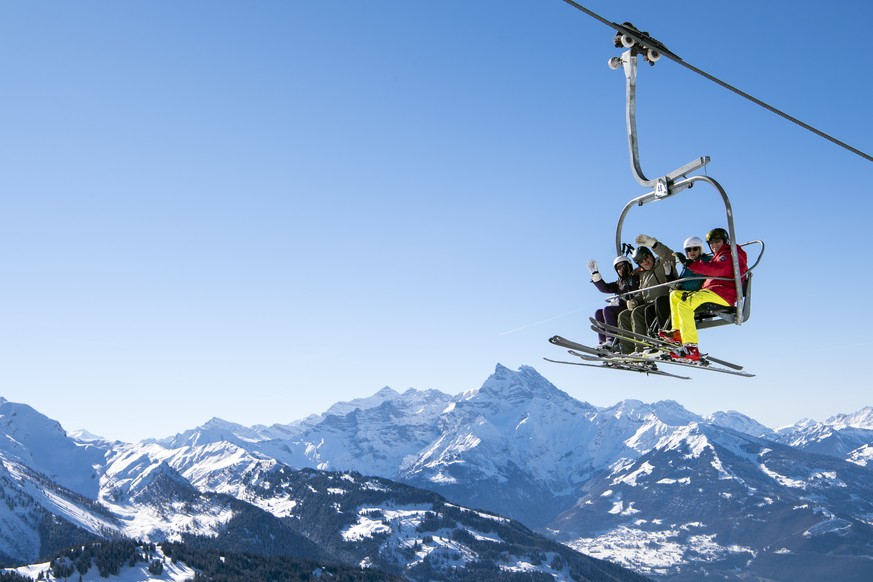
{"x":682,"y":306}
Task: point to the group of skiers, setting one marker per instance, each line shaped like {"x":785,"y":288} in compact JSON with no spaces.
{"x":645,"y":304}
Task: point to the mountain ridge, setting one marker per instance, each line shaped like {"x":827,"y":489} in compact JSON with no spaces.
{"x":519,"y":446}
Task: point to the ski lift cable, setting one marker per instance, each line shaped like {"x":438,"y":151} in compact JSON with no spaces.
{"x":675,"y":58}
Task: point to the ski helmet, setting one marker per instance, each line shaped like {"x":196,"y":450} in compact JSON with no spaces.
{"x":620,"y":260}
{"x":691,"y":242}
{"x":641,"y":253}
{"x":718,"y":234}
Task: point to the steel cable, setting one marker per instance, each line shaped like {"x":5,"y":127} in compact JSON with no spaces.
{"x":673,"y":57}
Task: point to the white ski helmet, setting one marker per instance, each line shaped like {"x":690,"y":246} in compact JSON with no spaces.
{"x":692,"y":242}
{"x":620,"y":260}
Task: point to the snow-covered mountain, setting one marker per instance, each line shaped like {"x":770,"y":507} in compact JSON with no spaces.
{"x":521,"y":447}
{"x":708,"y":500}
{"x":37,"y":442}
{"x":213,"y":494}
{"x":741,"y":423}
{"x":371,"y":435}
{"x":650,"y":485}
{"x":847,"y":436}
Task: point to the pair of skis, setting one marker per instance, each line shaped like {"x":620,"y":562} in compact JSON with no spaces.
{"x":653,"y":352}
{"x":609,"y":360}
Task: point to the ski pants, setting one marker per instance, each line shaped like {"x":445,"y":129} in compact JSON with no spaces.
{"x":641,"y":318}
{"x":609,"y":316}
{"x":682,"y":306}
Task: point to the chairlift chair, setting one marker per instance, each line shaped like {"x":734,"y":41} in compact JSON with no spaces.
{"x":667,"y":186}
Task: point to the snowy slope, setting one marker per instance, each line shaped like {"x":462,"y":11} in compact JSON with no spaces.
{"x":30,"y":501}
{"x":171,"y":572}
{"x":712,"y":500}
{"x":41,"y":444}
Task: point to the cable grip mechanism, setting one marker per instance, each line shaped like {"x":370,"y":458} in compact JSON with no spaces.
{"x":639,"y":43}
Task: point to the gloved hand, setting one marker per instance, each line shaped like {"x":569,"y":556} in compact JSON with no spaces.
{"x":646,"y":240}
{"x":683,"y":260}
{"x":595,"y":273}
{"x":668,"y":268}
{"x":632,"y":304}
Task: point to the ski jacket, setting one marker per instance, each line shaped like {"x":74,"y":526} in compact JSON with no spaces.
{"x":695,"y":284}
{"x":664,"y":256}
{"x":721,"y":265}
{"x":626,"y":285}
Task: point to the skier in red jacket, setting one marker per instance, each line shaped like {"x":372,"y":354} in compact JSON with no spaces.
{"x":718,"y":291}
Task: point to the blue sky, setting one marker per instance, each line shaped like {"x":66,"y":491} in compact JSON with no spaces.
{"x":254,"y":210}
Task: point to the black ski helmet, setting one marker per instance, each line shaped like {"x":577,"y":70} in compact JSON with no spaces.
{"x":718,"y":234}
{"x":641,"y":253}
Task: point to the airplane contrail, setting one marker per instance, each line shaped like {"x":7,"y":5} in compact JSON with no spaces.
{"x":543,"y":321}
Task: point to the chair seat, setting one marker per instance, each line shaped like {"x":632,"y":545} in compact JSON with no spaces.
{"x":706,"y":310}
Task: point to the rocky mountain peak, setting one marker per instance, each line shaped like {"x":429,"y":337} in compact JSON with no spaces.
{"x":740,"y":423}
{"x":861,"y":419}
{"x":521,"y":385}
